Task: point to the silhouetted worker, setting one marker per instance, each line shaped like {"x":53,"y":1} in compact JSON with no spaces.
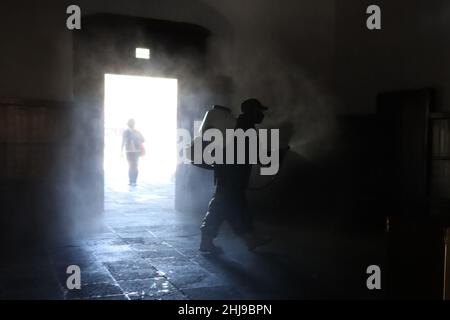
{"x":132,"y":142}
{"x":229,"y":201}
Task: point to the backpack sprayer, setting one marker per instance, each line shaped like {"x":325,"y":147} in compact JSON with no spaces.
{"x":220,"y":118}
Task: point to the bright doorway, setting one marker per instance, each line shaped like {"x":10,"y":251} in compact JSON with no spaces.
{"x":152,"y":102}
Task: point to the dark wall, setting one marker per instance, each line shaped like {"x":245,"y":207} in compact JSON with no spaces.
{"x":409,"y":52}
{"x":36,"y":55}
{"x":34,"y":141}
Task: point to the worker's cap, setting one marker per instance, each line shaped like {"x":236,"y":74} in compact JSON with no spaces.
{"x":252,"y":104}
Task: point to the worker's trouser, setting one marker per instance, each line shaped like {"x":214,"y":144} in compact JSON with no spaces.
{"x":229,"y":205}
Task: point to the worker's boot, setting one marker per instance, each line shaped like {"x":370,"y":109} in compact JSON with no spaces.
{"x":207,"y":245}
{"x":253,"y":241}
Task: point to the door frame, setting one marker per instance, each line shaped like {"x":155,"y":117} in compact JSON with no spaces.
{"x":106,"y":44}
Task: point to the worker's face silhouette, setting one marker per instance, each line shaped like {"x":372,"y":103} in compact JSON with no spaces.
{"x":253,"y":109}
{"x":256,"y":115}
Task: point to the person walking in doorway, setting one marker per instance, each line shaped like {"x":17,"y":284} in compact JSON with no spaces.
{"x":132,"y":142}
